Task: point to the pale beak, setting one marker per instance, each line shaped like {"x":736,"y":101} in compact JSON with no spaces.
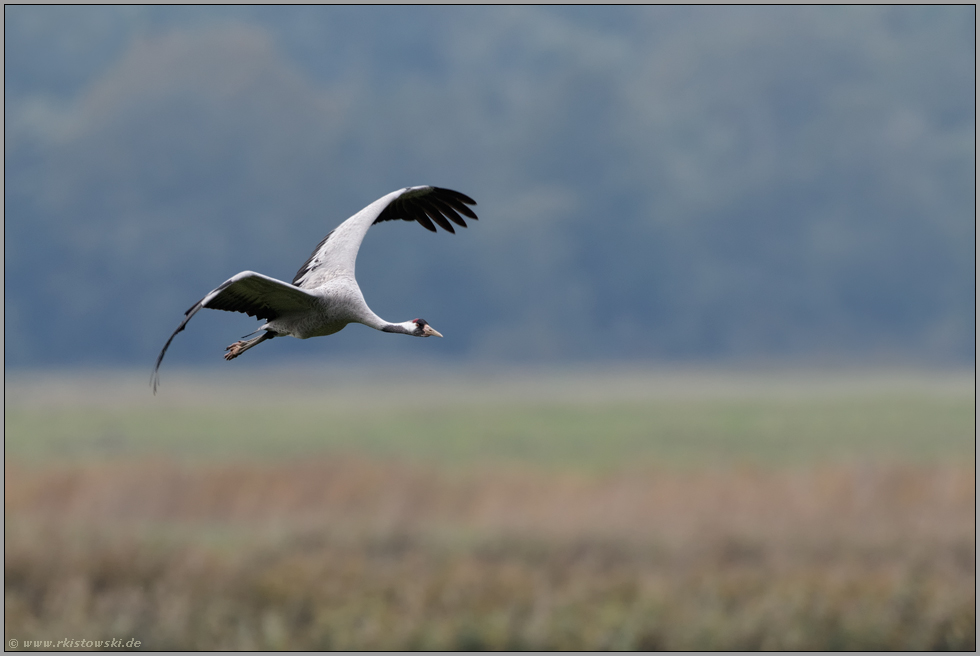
{"x":429,"y":331}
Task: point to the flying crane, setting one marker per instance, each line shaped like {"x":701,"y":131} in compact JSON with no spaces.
{"x":324,"y":296}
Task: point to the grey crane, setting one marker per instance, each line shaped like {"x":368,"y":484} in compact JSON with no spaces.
{"x":324,"y":296}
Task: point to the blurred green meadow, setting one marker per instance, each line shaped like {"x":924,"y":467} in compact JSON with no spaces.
{"x":450,"y":509}
{"x":579,"y":419}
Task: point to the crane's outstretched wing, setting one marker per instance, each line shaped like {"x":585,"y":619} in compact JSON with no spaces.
{"x":430,"y":206}
{"x":249,"y":292}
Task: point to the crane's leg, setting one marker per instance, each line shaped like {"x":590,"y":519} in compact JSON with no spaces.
{"x":241,"y":346}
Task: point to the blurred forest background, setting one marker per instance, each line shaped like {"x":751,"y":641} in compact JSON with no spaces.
{"x":708,"y":378}
{"x":665,"y":183}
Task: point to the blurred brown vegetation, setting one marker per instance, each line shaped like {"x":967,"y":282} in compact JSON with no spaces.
{"x":362,"y":553}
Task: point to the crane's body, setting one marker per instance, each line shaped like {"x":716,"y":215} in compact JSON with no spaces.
{"x":324,"y":296}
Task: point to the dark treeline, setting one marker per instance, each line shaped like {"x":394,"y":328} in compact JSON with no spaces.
{"x":653,"y":183}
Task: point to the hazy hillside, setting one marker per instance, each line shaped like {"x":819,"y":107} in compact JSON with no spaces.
{"x":665,"y":183}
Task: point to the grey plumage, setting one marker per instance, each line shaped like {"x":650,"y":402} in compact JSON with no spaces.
{"x":324,"y":295}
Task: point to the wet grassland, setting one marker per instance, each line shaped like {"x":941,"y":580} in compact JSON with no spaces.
{"x":618,"y":510}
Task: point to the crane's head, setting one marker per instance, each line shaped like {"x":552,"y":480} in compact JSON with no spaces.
{"x":423,"y":329}
{"x":416,"y":327}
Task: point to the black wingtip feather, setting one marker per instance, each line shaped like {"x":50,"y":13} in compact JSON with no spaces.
{"x":459,"y":204}
{"x":431,"y":207}
{"x":461,"y":196}
{"x":155,"y":376}
{"x":447,"y":211}
{"x":418,"y":215}
{"x":436,"y":215}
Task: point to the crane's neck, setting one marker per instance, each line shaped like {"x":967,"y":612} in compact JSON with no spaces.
{"x":369,"y":318}
{"x":405,"y":327}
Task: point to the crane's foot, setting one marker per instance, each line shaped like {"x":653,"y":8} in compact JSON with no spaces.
{"x":241,"y":346}
{"x":236,"y":349}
